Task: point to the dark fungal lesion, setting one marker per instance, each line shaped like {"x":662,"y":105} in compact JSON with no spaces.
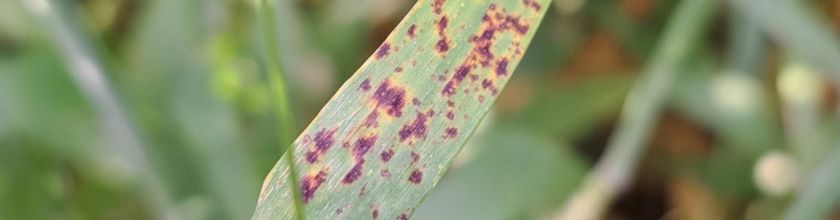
{"x":362,"y":146}
{"x":309,"y":184}
{"x":415,"y":157}
{"x":365,"y":85}
{"x":323,"y":141}
{"x":412,"y":31}
{"x":386,"y":155}
{"x":494,"y":22}
{"x":501,"y":66}
{"x":353,"y":174}
{"x":391,"y":98}
{"x":417,"y":128}
{"x":383,"y":51}
{"x":372,"y":120}
{"x":442,"y":45}
{"x":416,"y":176}
{"x":437,"y":6}
{"x":488,"y":84}
{"x":460,"y":73}
{"x":450,"y":132}
{"x":532,"y":4}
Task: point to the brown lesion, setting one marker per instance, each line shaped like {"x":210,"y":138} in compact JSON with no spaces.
{"x":363,"y":145}
{"x":416,"y":176}
{"x":412,"y":31}
{"x":442,"y":45}
{"x":418,"y":128}
{"x":354,"y":174}
{"x":365,"y":85}
{"x":310,"y":183}
{"x":386,"y":155}
{"x":450,"y":132}
{"x":494,"y":22}
{"x":322,"y":142}
{"x":532,"y":4}
{"x":383,"y":51}
{"x":358,"y":149}
{"x":390,"y":98}
{"x":437,"y":6}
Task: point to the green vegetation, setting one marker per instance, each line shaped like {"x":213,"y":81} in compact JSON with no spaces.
{"x":429,"y":109}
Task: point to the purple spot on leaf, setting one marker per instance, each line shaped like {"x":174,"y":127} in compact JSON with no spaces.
{"x":310,"y":184}
{"x":392,"y":98}
{"x":365,"y":86}
{"x":323,"y":141}
{"x":353,"y":174}
{"x":416,"y":177}
{"x":414,"y":157}
{"x":450,"y":132}
{"x":411,"y":30}
{"x":501,"y":67}
{"x":362,"y":146}
{"x":417,"y":128}
{"x":383,"y":51}
{"x":386,"y":155}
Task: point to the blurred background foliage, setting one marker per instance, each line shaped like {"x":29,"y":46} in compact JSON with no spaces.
{"x":750,"y":118}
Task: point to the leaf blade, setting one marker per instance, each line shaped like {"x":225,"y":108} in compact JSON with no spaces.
{"x":386,"y":137}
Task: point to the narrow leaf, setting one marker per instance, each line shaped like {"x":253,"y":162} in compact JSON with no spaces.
{"x":385,"y":138}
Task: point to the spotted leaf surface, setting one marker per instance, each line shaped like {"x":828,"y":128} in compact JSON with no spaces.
{"x":385,"y":138}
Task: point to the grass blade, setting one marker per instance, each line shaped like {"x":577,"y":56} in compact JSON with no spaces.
{"x":121,"y":143}
{"x":792,"y":26}
{"x":820,"y":193}
{"x":386,"y":137}
{"x":641,"y":107}
{"x":283,"y":113}
{"x":811,"y":41}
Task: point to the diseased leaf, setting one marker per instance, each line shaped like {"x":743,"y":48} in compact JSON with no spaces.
{"x":385,"y":138}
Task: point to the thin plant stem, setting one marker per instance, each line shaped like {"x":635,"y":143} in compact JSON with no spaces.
{"x":124,"y":148}
{"x":613,"y":172}
{"x":277,"y":84}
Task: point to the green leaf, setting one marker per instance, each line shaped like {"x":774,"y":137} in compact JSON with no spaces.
{"x":385,"y":138}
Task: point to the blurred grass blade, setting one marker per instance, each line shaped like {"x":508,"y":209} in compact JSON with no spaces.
{"x":126,"y":152}
{"x":747,"y":45}
{"x":800,"y":93}
{"x":643,"y":104}
{"x":283,"y":113}
{"x":791,"y":25}
{"x":813,"y":42}
{"x":386,"y":137}
{"x":820,"y":193}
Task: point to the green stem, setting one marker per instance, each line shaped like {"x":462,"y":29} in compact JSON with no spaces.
{"x":282,"y":109}
{"x":644,"y":102}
